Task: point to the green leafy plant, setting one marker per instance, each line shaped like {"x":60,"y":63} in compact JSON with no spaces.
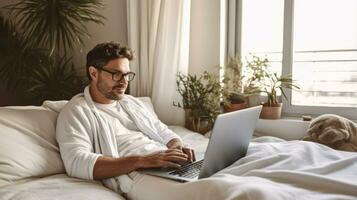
{"x":256,"y":72}
{"x":275,"y":83}
{"x":233,"y":87}
{"x":200,"y":95}
{"x":16,"y":59}
{"x":55,"y":24}
{"x":50,"y":30}
{"x":261,"y":80}
{"x":56,"y":80}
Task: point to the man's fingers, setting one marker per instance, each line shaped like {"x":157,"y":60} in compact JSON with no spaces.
{"x":171,"y":164}
{"x":176,"y":158}
{"x":189,"y":154}
{"x":176,"y":153}
{"x":167,"y":158}
{"x":193,"y":155}
{"x":181,"y":154}
{"x":173,"y":150}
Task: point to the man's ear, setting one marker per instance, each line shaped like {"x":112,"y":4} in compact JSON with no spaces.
{"x":93,"y":72}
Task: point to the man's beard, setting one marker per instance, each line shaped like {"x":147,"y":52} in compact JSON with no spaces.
{"x":109,"y":94}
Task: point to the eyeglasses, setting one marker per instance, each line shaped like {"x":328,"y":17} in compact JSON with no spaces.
{"x":118,"y":76}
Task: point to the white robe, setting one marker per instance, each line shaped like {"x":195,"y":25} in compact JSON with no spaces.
{"x":83,"y":135}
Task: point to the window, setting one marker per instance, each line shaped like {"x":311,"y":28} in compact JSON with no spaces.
{"x":325,"y":52}
{"x":262,"y":30}
{"x":316,"y":42}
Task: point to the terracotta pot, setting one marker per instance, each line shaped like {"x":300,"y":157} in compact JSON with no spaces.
{"x":235,"y":106}
{"x":200,"y":125}
{"x":271,"y":111}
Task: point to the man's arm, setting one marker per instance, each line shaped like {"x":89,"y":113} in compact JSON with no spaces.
{"x":107,"y":167}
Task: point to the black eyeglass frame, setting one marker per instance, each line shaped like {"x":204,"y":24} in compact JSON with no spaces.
{"x":118,"y":73}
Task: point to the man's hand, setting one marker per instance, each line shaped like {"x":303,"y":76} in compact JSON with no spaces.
{"x":167,"y":159}
{"x":107,"y":167}
{"x":176,"y":144}
{"x":189,"y":152}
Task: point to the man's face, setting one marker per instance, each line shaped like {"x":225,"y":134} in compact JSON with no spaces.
{"x":109,"y":88}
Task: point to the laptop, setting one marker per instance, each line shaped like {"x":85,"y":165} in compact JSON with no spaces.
{"x":229,"y":142}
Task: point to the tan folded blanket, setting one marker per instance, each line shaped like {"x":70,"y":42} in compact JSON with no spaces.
{"x":334,"y":131}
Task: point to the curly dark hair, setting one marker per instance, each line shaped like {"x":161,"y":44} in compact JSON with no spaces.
{"x":102,"y":53}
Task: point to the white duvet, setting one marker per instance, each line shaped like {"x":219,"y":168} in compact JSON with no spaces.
{"x":273,"y":169}
{"x":57,"y":187}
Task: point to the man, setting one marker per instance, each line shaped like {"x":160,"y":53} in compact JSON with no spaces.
{"x":104,"y":134}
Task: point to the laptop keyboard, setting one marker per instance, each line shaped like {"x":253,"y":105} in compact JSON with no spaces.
{"x":191,"y":170}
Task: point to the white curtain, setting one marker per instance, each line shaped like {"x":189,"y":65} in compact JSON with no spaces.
{"x":158,"y":31}
{"x":234,"y":12}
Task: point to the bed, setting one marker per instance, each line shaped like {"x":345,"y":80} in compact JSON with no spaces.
{"x":274,"y":168}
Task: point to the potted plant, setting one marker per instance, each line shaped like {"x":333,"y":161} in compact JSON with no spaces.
{"x":200,"y":99}
{"x":233,"y":88}
{"x":255,"y":72}
{"x":43,"y":35}
{"x":264,"y":81}
{"x":272,"y":107}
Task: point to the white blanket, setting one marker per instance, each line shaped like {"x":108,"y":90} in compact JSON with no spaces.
{"x":273,"y":169}
{"x":57,"y":187}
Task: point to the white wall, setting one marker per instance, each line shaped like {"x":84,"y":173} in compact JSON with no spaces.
{"x":114,"y":29}
{"x":204,"y":36}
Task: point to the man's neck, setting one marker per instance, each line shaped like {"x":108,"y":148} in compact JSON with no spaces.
{"x":97,"y":96}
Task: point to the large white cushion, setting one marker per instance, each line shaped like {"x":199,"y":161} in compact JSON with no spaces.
{"x":28,"y":146}
{"x":288,"y":129}
{"x":58,"y":187}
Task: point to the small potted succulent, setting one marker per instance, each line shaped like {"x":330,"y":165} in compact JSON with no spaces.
{"x":200,"y":100}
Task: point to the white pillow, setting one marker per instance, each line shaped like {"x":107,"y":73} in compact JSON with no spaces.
{"x":28,"y":146}
{"x":287,"y":129}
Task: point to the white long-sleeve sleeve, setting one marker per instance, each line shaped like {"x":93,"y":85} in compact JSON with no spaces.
{"x":75,"y":138}
{"x":165,"y":133}
{"x":148,"y":121}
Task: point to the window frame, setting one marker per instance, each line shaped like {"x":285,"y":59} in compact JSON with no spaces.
{"x":287,"y":66}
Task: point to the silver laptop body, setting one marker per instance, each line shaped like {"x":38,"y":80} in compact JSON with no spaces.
{"x":228,"y":143}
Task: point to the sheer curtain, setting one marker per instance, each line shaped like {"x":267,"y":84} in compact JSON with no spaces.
{"x":234,"y":10}
{"x":158,"y":31}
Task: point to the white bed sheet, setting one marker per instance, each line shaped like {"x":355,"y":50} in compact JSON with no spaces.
{"x":274,"y":169}
{"x":57,"y":187}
